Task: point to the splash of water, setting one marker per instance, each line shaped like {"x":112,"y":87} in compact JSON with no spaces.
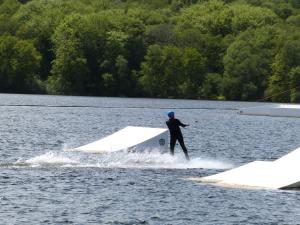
{"x":51,"y":158}
{"x":124,"y":159}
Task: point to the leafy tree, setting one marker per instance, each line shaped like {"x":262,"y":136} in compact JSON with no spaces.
{"x":122,"y":74}
{"x":108,"y":84}
{"x":161,"y":34}
{"x":212,"y":86}
{"x":212,"y":47}
{"x":295,"y":3}
{"x":193,"y":73}
{"x":36,"y":20}
{"x":294,"y":20}
{"x":161,"y":71}
{"x":248,"y":64}
{"x":295,"y":84}
{"x":19,"y":65}
{"x":165,"y":69}
{"x":200,"y":16}
{"x":101,"y":42}
{"x":149,"y":17}
{"x":242,"y":49}
{"x":7,"y":9}
{"x":283,"y":85}
{"x":218,"y":18}
{"x":70,"y":66}
{"x":284,"y":10}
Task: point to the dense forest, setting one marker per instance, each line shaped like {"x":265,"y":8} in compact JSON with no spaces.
{"x":205,"y":49}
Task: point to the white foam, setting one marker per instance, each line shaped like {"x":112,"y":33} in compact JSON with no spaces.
{"x":51,"y":158}
{"x":124,"y":159}
{"x":210,"y":163}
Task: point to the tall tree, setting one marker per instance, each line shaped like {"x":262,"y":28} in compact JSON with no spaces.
{"x":19,"y":65}
{"x":170,"y":71}
{"x":284,"y":83}
{"x":248,"y":64}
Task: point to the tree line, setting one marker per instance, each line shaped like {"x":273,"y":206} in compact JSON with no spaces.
{"x":199,"y":49}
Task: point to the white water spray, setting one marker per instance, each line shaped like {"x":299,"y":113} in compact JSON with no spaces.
{"x":124,"y":159}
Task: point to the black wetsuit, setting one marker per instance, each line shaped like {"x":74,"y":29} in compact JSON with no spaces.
{"x":175,"y":133}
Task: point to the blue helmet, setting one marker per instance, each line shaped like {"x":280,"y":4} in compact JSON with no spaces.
{"x":171,"y":114}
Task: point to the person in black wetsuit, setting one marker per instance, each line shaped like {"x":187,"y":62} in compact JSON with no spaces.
{"x":175,"y":133}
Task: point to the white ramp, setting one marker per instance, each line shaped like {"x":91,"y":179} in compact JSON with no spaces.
{"x":282,"y":173}
{"x":128,"y":138}
{"x":287,"y":110}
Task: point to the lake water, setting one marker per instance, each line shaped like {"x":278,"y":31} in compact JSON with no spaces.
{"x":43,"y":183}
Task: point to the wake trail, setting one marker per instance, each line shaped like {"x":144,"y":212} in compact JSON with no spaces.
{"x":122,"y":159}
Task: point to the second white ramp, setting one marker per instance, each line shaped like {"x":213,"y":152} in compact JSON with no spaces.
{"x":282,"y":173}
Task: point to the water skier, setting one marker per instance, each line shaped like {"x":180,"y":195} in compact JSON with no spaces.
{"x":175,"y":133}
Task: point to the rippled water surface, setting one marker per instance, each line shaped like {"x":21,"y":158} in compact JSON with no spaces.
{"x":43,"y":183}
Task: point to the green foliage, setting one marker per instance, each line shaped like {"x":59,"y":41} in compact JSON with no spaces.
{"x":295,"y":84}
{"x":169,"y":71}
{"x":284,"y":78}
{"x":283,"y":8}
{"x":212,"y":87}
{"x":19,"y":64}
{"x":248,"y":64}
{"x":212,"y":49}
{"x":160,"y":71}
{"x":95,"y":44}
{"x":70,"y":66}
{"x":210,"y":46}
{"x":218,"y":18}
{"x":7,"y":9}
{"x":294,"y":20}
{"x":194,"y":69}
